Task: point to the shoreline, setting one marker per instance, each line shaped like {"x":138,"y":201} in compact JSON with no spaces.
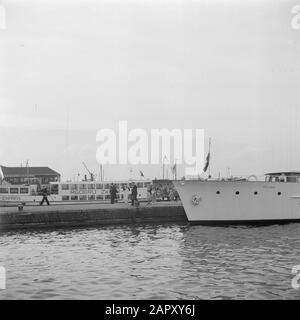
{"x":89,"y":215}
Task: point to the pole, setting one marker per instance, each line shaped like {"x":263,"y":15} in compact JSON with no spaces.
{"x":27,"y":171}
{"x":209,"y":158}
{"x":164,"y":166}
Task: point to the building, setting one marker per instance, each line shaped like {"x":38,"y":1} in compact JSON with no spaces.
{"x":31,"y":175}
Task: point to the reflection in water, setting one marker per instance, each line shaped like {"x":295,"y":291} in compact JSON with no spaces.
{"x":152,"y":262}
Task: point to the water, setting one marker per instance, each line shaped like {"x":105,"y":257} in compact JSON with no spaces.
{"x":152,"y":262}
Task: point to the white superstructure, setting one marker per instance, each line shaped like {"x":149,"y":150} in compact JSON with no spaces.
{"x":71,"y":192}
{"x":95,"y":191}
{"x":276,"y":199}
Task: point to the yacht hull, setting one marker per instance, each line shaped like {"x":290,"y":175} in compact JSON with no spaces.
{"x":239,"y":202}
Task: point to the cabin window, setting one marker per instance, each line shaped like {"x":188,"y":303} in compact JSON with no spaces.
{"x":106,"y":186}
{"x":99,"y":186}
{"x":14,"y":190}
{"x":82,"y":198}
{"x":73,"y":186}
{"x":147,"y":184}
{"x":65,"y":198}
{"x":54,"y":188}
{"x":24,"y":190}
{"x":3,"y":190}
{"x":91,"y":197}
{"x":82,"y":186}
{"x":139,"y":184}
{"x":74,"y":198}
{"x":64,"y":187}
{"x":107,"y":197}
{"x":99,"y":197}
{"x":91,"y":186}
{"x":291,"y":179}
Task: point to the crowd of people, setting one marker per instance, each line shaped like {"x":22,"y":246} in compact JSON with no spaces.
{"x":164,"y":192}
{"x":130,"y":193}
{"x":155,"y":192}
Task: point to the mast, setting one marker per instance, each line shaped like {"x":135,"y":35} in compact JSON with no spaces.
{"x":209,"y":147}
{"x":27,"y":171}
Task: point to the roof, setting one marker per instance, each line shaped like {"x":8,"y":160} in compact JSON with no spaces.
{"x":286,"y":173}
{"x":20,"y":171}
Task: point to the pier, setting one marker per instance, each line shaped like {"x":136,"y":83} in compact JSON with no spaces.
{"x":87,"y":215}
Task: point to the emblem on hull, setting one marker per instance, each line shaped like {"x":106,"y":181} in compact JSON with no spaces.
{"x":196,"y":200}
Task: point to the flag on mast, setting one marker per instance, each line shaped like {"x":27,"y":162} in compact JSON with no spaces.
{"x":174,"y":169}
{"x":207,"y":162}
{"x":207,"y":159}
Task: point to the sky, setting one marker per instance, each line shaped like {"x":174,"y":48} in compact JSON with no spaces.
{"x":70,"y":68}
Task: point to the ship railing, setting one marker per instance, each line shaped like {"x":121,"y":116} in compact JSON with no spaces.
{"x":282,"y":178}
{"x":243,"y":177}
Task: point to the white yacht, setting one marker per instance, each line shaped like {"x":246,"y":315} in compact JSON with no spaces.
{"x":274,"y":199}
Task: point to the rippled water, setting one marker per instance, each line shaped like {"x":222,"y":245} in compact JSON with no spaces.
{"x":152,"y":262}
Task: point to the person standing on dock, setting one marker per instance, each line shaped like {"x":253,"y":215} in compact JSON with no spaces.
{"x":150,"y":194}
{"x":134,"y":193}
{"x":45,"y":194}
{"x":126,"y":193}
{"x":113,"y":193}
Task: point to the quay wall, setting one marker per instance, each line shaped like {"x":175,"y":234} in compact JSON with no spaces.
{"x":75,"y":216}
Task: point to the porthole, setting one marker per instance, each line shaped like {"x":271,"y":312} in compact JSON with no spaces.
{"x":279,"y":193}
{"x":218,"y":192}
{"x":256,"y":193}
{"x":237,"y":193}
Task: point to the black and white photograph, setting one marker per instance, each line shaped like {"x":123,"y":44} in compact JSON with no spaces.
{"x":150,"y":151}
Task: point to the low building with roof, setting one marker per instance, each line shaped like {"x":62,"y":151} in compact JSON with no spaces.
{"x":29,"y":175}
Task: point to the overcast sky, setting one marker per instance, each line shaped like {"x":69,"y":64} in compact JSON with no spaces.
{"x":70,"y":68}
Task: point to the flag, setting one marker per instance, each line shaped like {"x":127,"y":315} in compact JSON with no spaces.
{"x":207,"y":162}
{"x":174,"y":169}
{"x":142,"y":175}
